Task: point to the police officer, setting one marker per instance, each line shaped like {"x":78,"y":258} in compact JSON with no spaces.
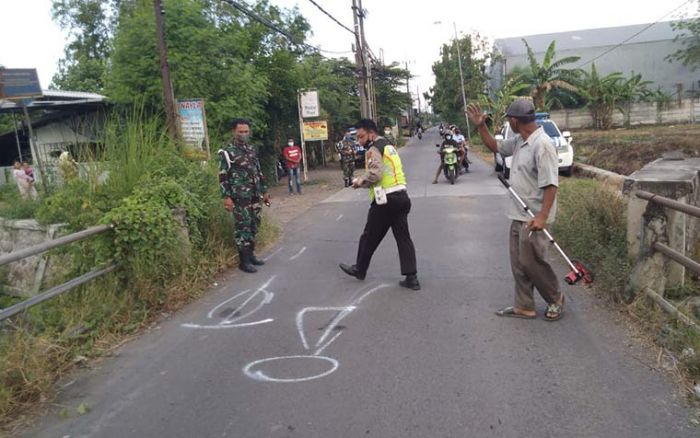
{"x":243,"y":189}
{"x":389,"y":209}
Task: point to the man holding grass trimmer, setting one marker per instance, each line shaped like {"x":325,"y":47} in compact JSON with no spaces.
{"x":534,"y":175}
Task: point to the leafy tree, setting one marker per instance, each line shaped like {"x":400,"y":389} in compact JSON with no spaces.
{"x":688,"y":33}
{"x":446,"y":95}
{"x":605,"y":94}
{"x":497,"y":104}
{"x":91,"y":24}
{"x":389,"y":85}
{"x":549,"y":76}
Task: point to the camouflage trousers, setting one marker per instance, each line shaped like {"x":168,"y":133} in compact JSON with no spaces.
{"x":348,"y":170}
{"x":246,"y":213}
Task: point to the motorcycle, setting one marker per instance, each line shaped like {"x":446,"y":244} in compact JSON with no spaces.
{"x":450,"y":163}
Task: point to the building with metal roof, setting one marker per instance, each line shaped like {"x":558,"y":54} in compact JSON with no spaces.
{"x":646,"y":52}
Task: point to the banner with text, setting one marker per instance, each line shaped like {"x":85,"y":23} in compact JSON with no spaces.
{"x":193,"y":123}
{"x":316,"y":131}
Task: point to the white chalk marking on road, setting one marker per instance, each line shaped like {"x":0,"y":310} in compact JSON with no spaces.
{"x":277,"y":251}
{"x":339,"y":218}
{"x":262,"y":377}
{"x":302,"y":312}
{"x":226,"y":326}
{"x":327,"y":344}
{"x":229,"y":322}
{"x":294,"y":257}
{"x":333,"y":324}
{"x":210,"y":315}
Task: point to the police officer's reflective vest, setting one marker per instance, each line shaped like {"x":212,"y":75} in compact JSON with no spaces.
{"x":392,"y":174}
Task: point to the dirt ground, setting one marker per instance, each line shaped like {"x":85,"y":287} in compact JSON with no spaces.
{"x":322,"y":183}
{"x":627,"y":150}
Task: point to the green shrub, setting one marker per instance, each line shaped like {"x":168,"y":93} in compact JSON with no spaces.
{"x":591,"y":225}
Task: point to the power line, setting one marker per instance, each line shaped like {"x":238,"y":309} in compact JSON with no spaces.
{"x":267,"y":23}
{"x":332,"y":17}
{"x":644,"y":29}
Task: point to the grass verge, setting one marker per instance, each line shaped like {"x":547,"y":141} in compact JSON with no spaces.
{"x":591,"y":225}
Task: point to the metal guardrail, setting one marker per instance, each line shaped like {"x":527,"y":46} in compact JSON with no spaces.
{"x":672,"y":254}
{"x":62,"y":288}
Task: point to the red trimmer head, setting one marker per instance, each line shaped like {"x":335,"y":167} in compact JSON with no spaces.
{"x":580,"y":273}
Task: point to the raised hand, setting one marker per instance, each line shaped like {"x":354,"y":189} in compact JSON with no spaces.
{"x":476,"y":116}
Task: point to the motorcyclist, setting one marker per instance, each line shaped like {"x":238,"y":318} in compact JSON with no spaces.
{"x":449,"y":141}
{"x":462,"y":147}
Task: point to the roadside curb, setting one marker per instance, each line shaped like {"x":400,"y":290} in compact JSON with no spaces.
{"x":611,"y":179}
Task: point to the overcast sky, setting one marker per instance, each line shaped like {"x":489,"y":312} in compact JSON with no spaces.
{"x":404,"y":31}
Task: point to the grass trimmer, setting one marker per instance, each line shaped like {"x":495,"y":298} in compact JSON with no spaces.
{"x":579,"y":269}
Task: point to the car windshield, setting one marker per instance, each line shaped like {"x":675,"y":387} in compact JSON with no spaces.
{"x":549,"y":127}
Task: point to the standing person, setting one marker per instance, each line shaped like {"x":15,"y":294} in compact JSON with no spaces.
{"x":24,"y":182}
{"x":535,"y":177}
{"x":389,"y":209}
{"x":347,"y":159}
{"x":292,"y":155}
{"x":243,"y":189}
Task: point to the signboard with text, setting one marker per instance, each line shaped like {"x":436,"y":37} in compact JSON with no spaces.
{"x":193,"y":123}
{"x":316,"y":131}
{"x":19,"y":83}
{"x":310,"y":106}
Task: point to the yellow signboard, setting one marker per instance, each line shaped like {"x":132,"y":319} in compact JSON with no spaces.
{"x":316,"y":131}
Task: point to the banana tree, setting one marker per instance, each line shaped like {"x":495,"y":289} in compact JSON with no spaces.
{"x":602,"y":94}
{"x":498,"y":103}
{"x":550,"y":74}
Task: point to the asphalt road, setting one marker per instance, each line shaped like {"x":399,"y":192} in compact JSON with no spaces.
{"x":303,"y":350}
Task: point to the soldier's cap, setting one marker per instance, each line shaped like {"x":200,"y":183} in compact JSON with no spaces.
{"x":522,"y":107}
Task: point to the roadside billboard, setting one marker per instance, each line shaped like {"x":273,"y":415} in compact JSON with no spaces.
{"x":316,"y":131}
{"x":309,"y":103}
{"x":19,"y":83}
{"x":193,"y":124}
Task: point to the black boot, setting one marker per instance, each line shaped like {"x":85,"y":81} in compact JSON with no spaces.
{"x":245,"y":262}
{"x":411,"y":282}
{"x":352,"y":271}
{"x":254,"y":260}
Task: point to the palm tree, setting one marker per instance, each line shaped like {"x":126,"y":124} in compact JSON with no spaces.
{"x":497,"y":103}
{"x":550,"y":74}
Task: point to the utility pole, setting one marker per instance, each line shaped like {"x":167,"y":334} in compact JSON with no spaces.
{"x":364,"y":67}
{"x":461,"y":82}
{"x":410,"y":99}
{"x":418,"y":95}
{"x":168,"y":94}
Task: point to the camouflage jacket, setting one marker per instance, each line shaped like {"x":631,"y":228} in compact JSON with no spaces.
{"x":240,"y":174}
{"x":347,"y":151}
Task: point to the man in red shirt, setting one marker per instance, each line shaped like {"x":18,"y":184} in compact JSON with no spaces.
{"x":292,"y":154}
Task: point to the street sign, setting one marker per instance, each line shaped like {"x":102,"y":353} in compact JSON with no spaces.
{"x":316,"y":131}
{"x":310,"y":106}
{"x":19,"y":83}
{"x":193,"y":123}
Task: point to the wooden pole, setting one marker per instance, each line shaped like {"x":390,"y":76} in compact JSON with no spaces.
{"x":168,"y":94}
{"x":32,"y":146}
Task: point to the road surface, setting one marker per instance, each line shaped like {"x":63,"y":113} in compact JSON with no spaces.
{"x":302,"y":350}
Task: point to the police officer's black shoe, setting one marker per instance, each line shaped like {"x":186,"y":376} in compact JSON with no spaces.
{"x":411,"y":282}
{"x":352,"y":271}
{"x":245,"y":264}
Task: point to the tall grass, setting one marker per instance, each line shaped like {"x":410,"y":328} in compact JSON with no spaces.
{"x":135,"y":178}
{"x":592,"y":226}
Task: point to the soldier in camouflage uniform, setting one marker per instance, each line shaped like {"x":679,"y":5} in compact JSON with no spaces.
{"x":243,"y":189}
{"x":347,"y":159}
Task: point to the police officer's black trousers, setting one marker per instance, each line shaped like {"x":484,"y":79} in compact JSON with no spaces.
{"x":394,"y":215}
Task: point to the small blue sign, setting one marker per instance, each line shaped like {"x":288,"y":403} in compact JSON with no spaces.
{"x":19,"y":83}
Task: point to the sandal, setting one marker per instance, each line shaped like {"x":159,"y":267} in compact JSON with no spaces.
{"x":556,"y":310}
{"x":509,"y":312}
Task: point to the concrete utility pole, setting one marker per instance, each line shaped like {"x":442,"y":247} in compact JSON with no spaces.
{"x":408,"y":91}
{"x":364,"y":68}
{"x":168,"y":94}
{"x":461,"y":82}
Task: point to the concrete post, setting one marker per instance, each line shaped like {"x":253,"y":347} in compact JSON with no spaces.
{"x":647,"y":222}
